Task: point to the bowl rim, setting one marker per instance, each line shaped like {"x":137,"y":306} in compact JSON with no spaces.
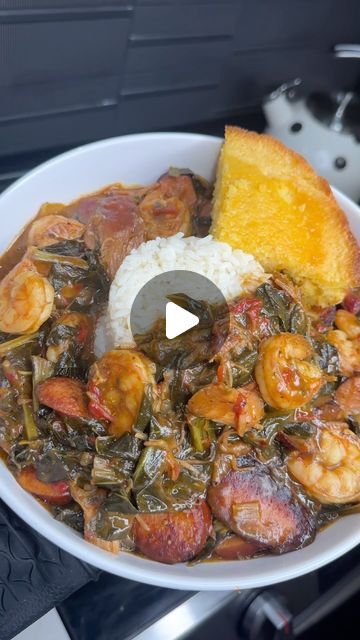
{"x":106,"y":142}
{"x":139,"y":568}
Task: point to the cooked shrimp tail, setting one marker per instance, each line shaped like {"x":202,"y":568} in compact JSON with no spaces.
{"x":52,"y":229}
{"x":286,"y":377}
{"x":116,"y":388}
{"x":26,"y":299}
{"x":241,"y":408}
{"x":329,"y":468}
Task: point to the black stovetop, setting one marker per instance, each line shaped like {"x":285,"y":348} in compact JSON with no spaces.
{"x":114,"y":608}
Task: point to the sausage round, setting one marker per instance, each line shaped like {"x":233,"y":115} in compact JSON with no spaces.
{"x":257,"y":508}
{"x":173,"y":536}
{"x":65,"y":395}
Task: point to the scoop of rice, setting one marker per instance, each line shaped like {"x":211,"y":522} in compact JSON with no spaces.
{"x":231,"y":270}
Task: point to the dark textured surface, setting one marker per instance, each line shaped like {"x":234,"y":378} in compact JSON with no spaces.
{"x":116,"y":609}
{"x":34,"y":574}
{"x":14,"y":167}
{"x":342,"y":623}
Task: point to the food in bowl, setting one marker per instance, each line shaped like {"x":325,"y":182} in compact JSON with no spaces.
{"x":246,"y":454}
{"x":232,"y":271}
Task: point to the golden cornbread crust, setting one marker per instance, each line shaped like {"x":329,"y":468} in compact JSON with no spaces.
{"x":268,"y":201}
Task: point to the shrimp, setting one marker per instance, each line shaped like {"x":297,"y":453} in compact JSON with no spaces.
{"x":346,"y":338}
{"x":348,"y":323}
{"x":285,"y":378}
{"x":53,"y":228}
{"x":116,"y":387}
{"x":348,"y":350}
{"x":240,"y":408}
{"x":26,"y":299}
{"x":329,"y":467}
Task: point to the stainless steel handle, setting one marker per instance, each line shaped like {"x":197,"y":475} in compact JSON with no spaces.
{"x":267,"y":618}
{"x":286,"y":87}
{"x":347,"y":50}
{"x":187,"y":616}
{"x":337,"y":122}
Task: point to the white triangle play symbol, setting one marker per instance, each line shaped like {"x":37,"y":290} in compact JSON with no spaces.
{"x":178,"y":320}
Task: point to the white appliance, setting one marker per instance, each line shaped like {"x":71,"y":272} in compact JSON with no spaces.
{"x":324,"y":128}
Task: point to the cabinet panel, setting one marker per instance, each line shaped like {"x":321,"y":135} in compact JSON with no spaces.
{"x":51,"y":66}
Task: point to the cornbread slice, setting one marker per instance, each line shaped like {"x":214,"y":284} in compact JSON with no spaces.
{"x":269,"y":202}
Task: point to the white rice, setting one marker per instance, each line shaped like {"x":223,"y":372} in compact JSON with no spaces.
{"x":231,"y":270}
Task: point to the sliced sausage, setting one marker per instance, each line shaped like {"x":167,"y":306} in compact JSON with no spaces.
{"x":65,"y":395}
{"x":113,"y":227}
{"x":174,"y":536}
{"x":330,"y":411}
{"x":347,"y":396}
{"x":236,"y":548}
{"x":254,"y":506}
{"x":57,"y":493}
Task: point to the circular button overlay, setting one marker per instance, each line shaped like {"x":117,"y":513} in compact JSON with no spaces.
{"x":180,"y":319}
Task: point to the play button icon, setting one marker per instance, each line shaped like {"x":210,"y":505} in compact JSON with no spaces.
{"x":178,"y":320}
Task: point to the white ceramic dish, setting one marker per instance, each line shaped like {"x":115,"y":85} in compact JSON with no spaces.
{"x":142,"y":158}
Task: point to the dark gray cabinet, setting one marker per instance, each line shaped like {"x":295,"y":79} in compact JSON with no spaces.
{"x":78,"y":70}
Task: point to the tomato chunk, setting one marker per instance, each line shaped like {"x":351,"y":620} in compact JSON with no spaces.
{"x":351,"y":302}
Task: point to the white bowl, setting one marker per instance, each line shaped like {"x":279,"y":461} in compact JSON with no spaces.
{"x":142,"y":158}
